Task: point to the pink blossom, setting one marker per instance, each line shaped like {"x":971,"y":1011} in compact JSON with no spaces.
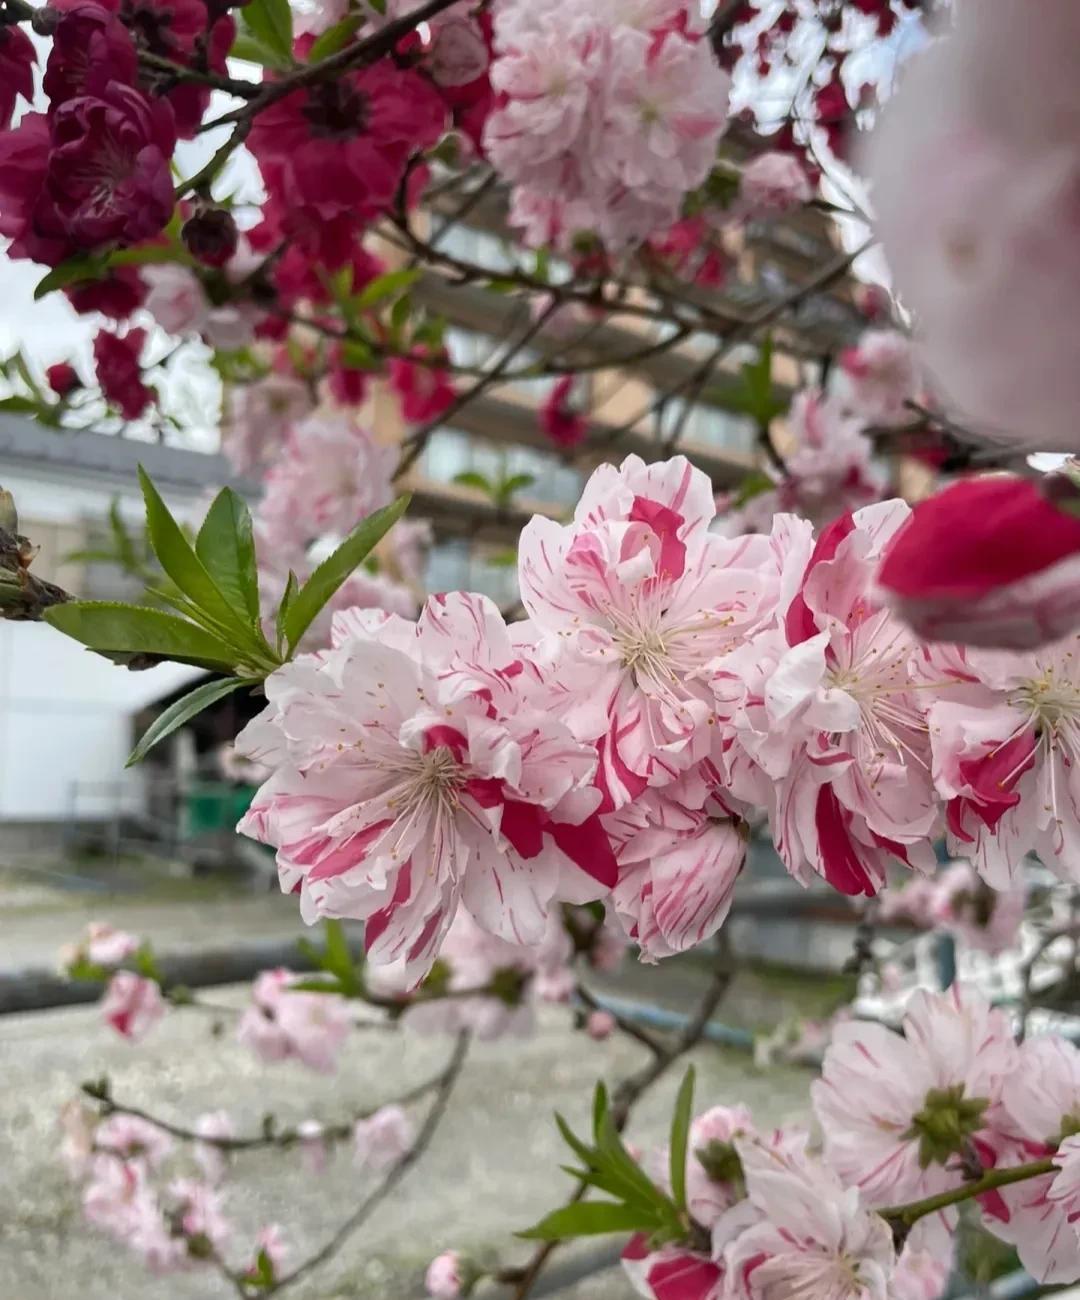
{"x":444,"y":1277}
{"x":563,"y":423}
{"x":423,"y":387}
{"x":383,"y":1138}
{"x":714,"y":1176}
{"x":895,"y":1110}
{"x":116,"y":294}
{"x":209,"y":1156}
{"x":370,"y":742}
{"x":881,"y":376}
{"x":176,"y":299}
{"x":985,"y":253}
{"x":680,"y":852}
{"x":1040,"y":1104}
{"x":633,"y":598}
{"x":926,"y":1262}
{"x":987,"y":920}
{"x":282,"y":1023}
{"x":459,"y":52}
{"x":1005,"y":759}
{"x":988,"y":561}
{"x":270,"y":1246}
{"x":333,"y":473}
{"x":133,"y":1138}
{"x":844,"y":735}
{"x":132,"y":1005}
{"x":26,"y":219}
{"x":258,"y":418}
{"x":197,"y":1209}
{"x":116,"y":364}
{"x":829,"y":470}
{"x":102,"y":945}
{"x":771,"y":184}
{"x":119,"y":1199}
{"x":600,"y":1025}
{"x":814,"y":1236}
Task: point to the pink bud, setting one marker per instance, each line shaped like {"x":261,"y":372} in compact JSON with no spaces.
{"x":443,"y":1279}
{"x":132,"y":1005}
{"x":600,"y":1025}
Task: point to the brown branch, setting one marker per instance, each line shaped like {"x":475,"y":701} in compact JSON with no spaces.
{"x":393,"y":1176}
{"x":289,"y":1137}
{"x":23,"y":597}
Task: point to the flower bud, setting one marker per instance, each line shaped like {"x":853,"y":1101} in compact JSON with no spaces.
{"x":210,"y":236}
{"x":63,"y":379}
{"x":600,"y":1025}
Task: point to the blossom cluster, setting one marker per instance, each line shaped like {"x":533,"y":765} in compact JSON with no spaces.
{"x":667,"y":686}
{"x":903,"y":1116}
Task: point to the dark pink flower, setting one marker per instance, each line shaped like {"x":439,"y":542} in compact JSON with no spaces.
{"x":109,"y":178}
{"x":422,"y":386}
{"x":341,"y":147}
{"x":116,"y":361}
{"x":26,"y":219}
{"x":16,"y":70}
{"x":348,"y":384}
{"x":90,"y":48}
{"x":115,"y":295}
{"x":560,"y":419}
{"x":62,"y":378}
{"x":175,"y":30}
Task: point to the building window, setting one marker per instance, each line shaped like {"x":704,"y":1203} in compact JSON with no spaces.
{"x":709,"y":426}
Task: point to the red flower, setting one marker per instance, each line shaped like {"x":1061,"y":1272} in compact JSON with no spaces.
{"x":348,"y":385}
{"x":175,"y":30}
{"x":35,"y":231}
{"x":90,"y":48}
{"x":16,"y":70}
{"x":990,"y":562}
{"x":423,"y":387}
{"x":116,"y":361}
{"x":115,"y":295}
{"x":559,"y":418}
{"x":341,"y":147}
{"x":109,"y":178}
{"x":62,"y":378}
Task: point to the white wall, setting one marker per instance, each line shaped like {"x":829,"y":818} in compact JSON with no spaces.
{"x":65,"y":716}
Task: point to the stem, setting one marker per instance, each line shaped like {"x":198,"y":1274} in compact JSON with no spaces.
{"x":906,"y":1215}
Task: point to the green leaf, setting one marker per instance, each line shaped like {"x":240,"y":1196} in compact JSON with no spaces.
{"x":19,"y":405}
{"x":386,"y":286}
{"x":575,"y":1143}
{"x":270,"y":22}
{"x":589,"y":1219}
{"x":86,"y":266}
{"x":182,"y":711}
{"x":226,"y":546}
{"x":752,"y":485}
{"x":292,"y":586}
{"x":150,"y":254}
{"x":333,"y":571}
{"x":187,"y":570}
{"x":247,"y":47}
{"x":680,"y":1137}
{"x":599,"y":1110}
{"x":335,"y":38}
{"x":513,"y":484}
{"x":337,"y":959}
{"x":474,"y":479}
{"x":113,"y":627}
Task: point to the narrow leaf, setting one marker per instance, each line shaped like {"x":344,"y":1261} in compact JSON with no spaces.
{"x":110,"y":626}
{"x":182,"y":711}
{"x":18,"y":405}
{"x":473,"y":478}
{"x":589,"y":1219}
{"x":599,"y":1110}
{"x":385,"y":286}
{"x":333,"y":571}
{"x":338,"y":960}
{"x":187,"y":570}
{"x":335,"y":38}
{"x":226,"y":546}
{"x":249,"y":48}
{"x":270,"y":22}
{"x":680,"y":1136}
{"x":292,"y":586}
{"x":83,"y":267}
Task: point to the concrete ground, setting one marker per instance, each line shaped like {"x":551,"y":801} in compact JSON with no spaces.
{"x":491,"y":1170}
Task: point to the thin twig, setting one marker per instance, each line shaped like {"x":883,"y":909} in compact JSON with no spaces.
{"x":394,"y":1175}
{"x":288,"y":1137}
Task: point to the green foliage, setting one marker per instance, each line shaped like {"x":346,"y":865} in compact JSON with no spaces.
{"x":680,"y":1137}
{"x":500,"y":491}
{"x":390,"y":285}
{"x":270,"y":23}
{"x":754,"y":395}
{"x":636,"y":1204}
{"x":333,"y":571}
{"x":752,"y":486}
{"x":217,"y":621}
{"x":335,"y":38}
{"x":183,"y":710}
{"x":336,"y":960}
